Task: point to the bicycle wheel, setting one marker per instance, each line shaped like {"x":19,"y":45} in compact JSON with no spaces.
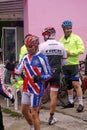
{"x":62,"y":93}
{"x":62,"y":97}
{"x":84,"y":88}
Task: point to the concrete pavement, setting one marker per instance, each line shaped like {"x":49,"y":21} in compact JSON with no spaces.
{"x":65,"y":122}
{"x":67,"y":119}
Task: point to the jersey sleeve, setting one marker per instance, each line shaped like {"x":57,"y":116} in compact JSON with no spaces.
{"x":19,"y":67}
{"x":79,"y":47}
{"x":46,"y":68}
{"x":64,"y":59}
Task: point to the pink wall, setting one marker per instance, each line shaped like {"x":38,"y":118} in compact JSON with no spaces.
{"x":42,"y":13}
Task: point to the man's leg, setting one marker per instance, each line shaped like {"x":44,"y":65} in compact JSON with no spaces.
{"x":53,"y":103}
{"x":27,"y":114}
{"x":26,"y":109}
{"x":36,"y":119}
{"x":70,"y":93}
{"x":78,"y":88}
{"x":70,"y":96}
{"x":1,"y":120}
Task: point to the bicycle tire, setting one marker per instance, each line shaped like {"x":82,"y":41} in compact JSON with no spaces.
{"x":62,"y":93}
{"x":62,"y":97}
{"x":84,"y":88}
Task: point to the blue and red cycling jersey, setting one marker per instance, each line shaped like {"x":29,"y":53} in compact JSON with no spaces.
{"x":34,"y":65}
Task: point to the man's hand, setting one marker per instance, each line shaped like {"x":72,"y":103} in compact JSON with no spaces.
{"x":68,"y":53}
{"x":22,"y":75}
{"x":36,"y":78}
{"x":12,"y":100}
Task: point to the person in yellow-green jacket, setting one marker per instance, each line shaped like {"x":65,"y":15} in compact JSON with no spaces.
{"x":17,"y":82}
{"x":23,"y":51}
{"x":74,"y":47}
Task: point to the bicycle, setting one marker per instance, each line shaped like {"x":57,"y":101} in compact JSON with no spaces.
{"x":62,"y":92}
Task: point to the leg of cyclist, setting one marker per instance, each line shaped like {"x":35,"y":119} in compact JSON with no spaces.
{"x":26,"y":109}
{"x":53,"y":103}
{"x":70,"y":96}
{"x":70,"y":93}
{"x":53,"y":96}
{"x":36,"y":119}
{"x":71,"y":72}
{"x":35,"y":102}
{"x":54,"y":86}
{"x":77,"y":86}
{"x":67,"y":71}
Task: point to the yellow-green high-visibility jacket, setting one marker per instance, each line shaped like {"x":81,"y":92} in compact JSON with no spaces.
{"x":23,"y":51}
{"x":19,"y":82}
{"x":75,"y":46}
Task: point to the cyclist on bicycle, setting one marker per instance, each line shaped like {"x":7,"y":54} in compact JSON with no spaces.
{"x":74,"y":47}
{"x":57,"y":56}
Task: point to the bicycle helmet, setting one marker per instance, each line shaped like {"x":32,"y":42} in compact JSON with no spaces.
{"x":31,"y":40}
{"x":67,"y":23}
{"x":48,"y":31}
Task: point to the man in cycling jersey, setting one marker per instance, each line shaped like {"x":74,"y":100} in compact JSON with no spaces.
{"x":4,"y":92}
{"x":74,"y":47}
{"x":37,"y":71}
{"x":25,"y":105}
{"x":57,"y":56}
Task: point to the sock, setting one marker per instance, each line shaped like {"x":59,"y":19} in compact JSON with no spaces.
{"x":31,"y":127}
{"x":70,"y":97}
{"x":51,"y":115}
{"x":80,"y":100}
